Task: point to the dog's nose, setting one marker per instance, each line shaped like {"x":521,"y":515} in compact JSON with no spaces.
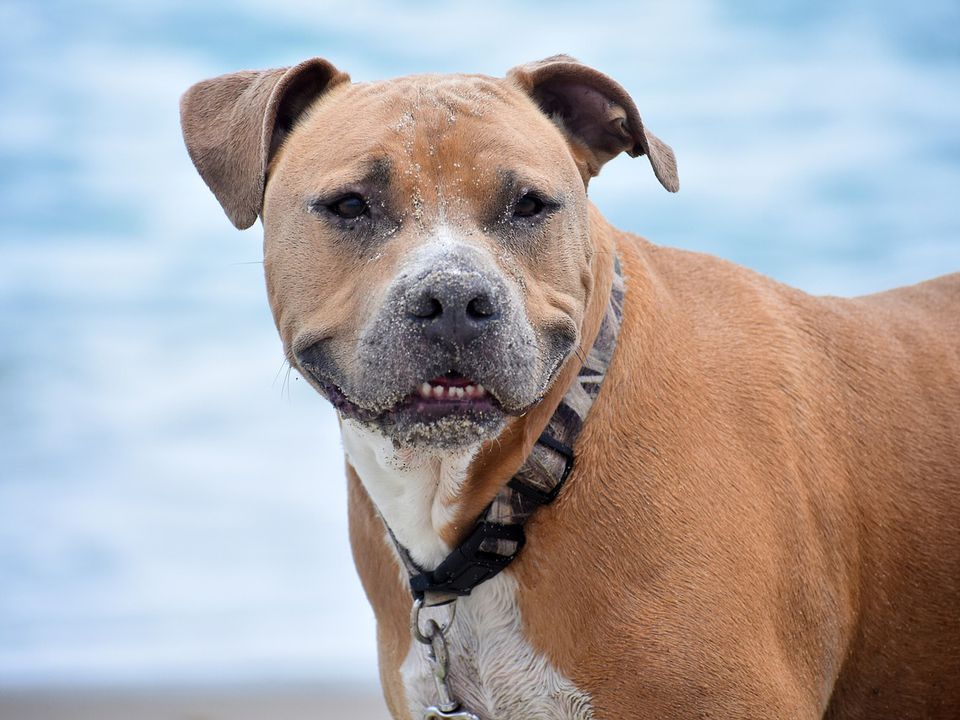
{"x":455,"y":307}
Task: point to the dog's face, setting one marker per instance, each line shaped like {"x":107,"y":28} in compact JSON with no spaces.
{"x":428,"y":262}
{"x":427,"y":243}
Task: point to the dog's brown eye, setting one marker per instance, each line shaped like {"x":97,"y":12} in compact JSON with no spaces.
{"x":528,"y":206}
{"x":349,"y":207}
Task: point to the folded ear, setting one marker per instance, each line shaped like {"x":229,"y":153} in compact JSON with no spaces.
{"x":233,"y":124}
{"x":596,"y":114}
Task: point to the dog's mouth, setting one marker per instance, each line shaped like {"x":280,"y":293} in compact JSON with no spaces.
{"x":443,"y":396}
{"x":450,"y":393}
{"x":446,"y":411}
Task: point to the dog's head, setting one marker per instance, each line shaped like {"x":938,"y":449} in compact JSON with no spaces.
{"x":427,"y":246}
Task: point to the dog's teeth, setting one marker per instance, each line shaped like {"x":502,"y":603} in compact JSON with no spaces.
{"x":445,"y":392}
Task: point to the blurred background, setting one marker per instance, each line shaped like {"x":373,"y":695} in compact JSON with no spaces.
{"x":172,"y":500}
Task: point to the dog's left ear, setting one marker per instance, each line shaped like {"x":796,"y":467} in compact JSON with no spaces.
{"x":597,"y":115}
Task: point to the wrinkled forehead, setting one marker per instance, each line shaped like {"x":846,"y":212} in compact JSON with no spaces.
{"x":468,"y":132}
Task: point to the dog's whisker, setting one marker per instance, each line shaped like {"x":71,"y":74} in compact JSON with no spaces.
{"x":284,"y":370}
{"x":280,"y":370}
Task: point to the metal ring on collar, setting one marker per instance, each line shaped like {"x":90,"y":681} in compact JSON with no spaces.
{"x":415,"y":622}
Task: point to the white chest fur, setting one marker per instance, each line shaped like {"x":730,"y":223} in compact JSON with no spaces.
{"x":494,"y":671}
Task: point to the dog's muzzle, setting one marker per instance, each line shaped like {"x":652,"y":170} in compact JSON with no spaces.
{"x":448,"y":354}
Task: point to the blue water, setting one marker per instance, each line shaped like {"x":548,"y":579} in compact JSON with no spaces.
{"x":171,"y":501}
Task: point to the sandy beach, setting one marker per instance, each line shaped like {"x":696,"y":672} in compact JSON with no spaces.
{"x":233,"y":702}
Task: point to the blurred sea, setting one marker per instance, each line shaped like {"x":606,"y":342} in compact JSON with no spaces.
{"x":172,"y":501}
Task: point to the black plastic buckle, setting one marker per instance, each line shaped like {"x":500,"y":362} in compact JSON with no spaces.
{"x":535,"y":494}
{"x":469,"y":564}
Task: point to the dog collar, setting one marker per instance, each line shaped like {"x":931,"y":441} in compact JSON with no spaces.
{"x":498,"y":537}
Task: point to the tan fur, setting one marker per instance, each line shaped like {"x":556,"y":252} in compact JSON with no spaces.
{"x":763,"y":519}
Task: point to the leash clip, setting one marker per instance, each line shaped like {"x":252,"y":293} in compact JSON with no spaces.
{"x":434,"y":636}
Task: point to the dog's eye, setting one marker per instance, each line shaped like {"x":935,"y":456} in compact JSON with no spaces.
{"x":349,"y":207}
{"x":528,"y":206}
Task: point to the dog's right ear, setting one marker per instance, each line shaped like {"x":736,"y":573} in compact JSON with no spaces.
{"x":233,"y":124}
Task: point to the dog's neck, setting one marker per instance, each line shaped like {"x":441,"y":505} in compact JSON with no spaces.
{"x":430,"y":499}
{"x":415,"y":491}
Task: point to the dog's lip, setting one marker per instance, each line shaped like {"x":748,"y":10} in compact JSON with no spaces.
{"x":340,"y":400}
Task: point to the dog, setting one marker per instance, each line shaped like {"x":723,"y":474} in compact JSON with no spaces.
{"x":759,"y":516}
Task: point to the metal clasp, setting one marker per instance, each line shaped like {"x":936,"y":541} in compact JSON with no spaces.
{"x":434,"y":637}
{"x":435,"y":713}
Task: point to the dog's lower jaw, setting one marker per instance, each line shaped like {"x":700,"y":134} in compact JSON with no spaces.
{"x":448,"y":435}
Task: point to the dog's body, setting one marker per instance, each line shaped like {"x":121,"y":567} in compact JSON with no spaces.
{"x":763,"y":517}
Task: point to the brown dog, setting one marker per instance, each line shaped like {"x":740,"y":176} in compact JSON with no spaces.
{"x":763,"y":519}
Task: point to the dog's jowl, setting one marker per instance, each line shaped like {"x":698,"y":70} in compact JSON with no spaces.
{"x":591,"y":477}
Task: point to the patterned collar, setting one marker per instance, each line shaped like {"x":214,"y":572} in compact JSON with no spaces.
{"x":498,"y":537}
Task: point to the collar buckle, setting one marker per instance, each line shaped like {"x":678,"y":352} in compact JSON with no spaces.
{"x":487,"y":550}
